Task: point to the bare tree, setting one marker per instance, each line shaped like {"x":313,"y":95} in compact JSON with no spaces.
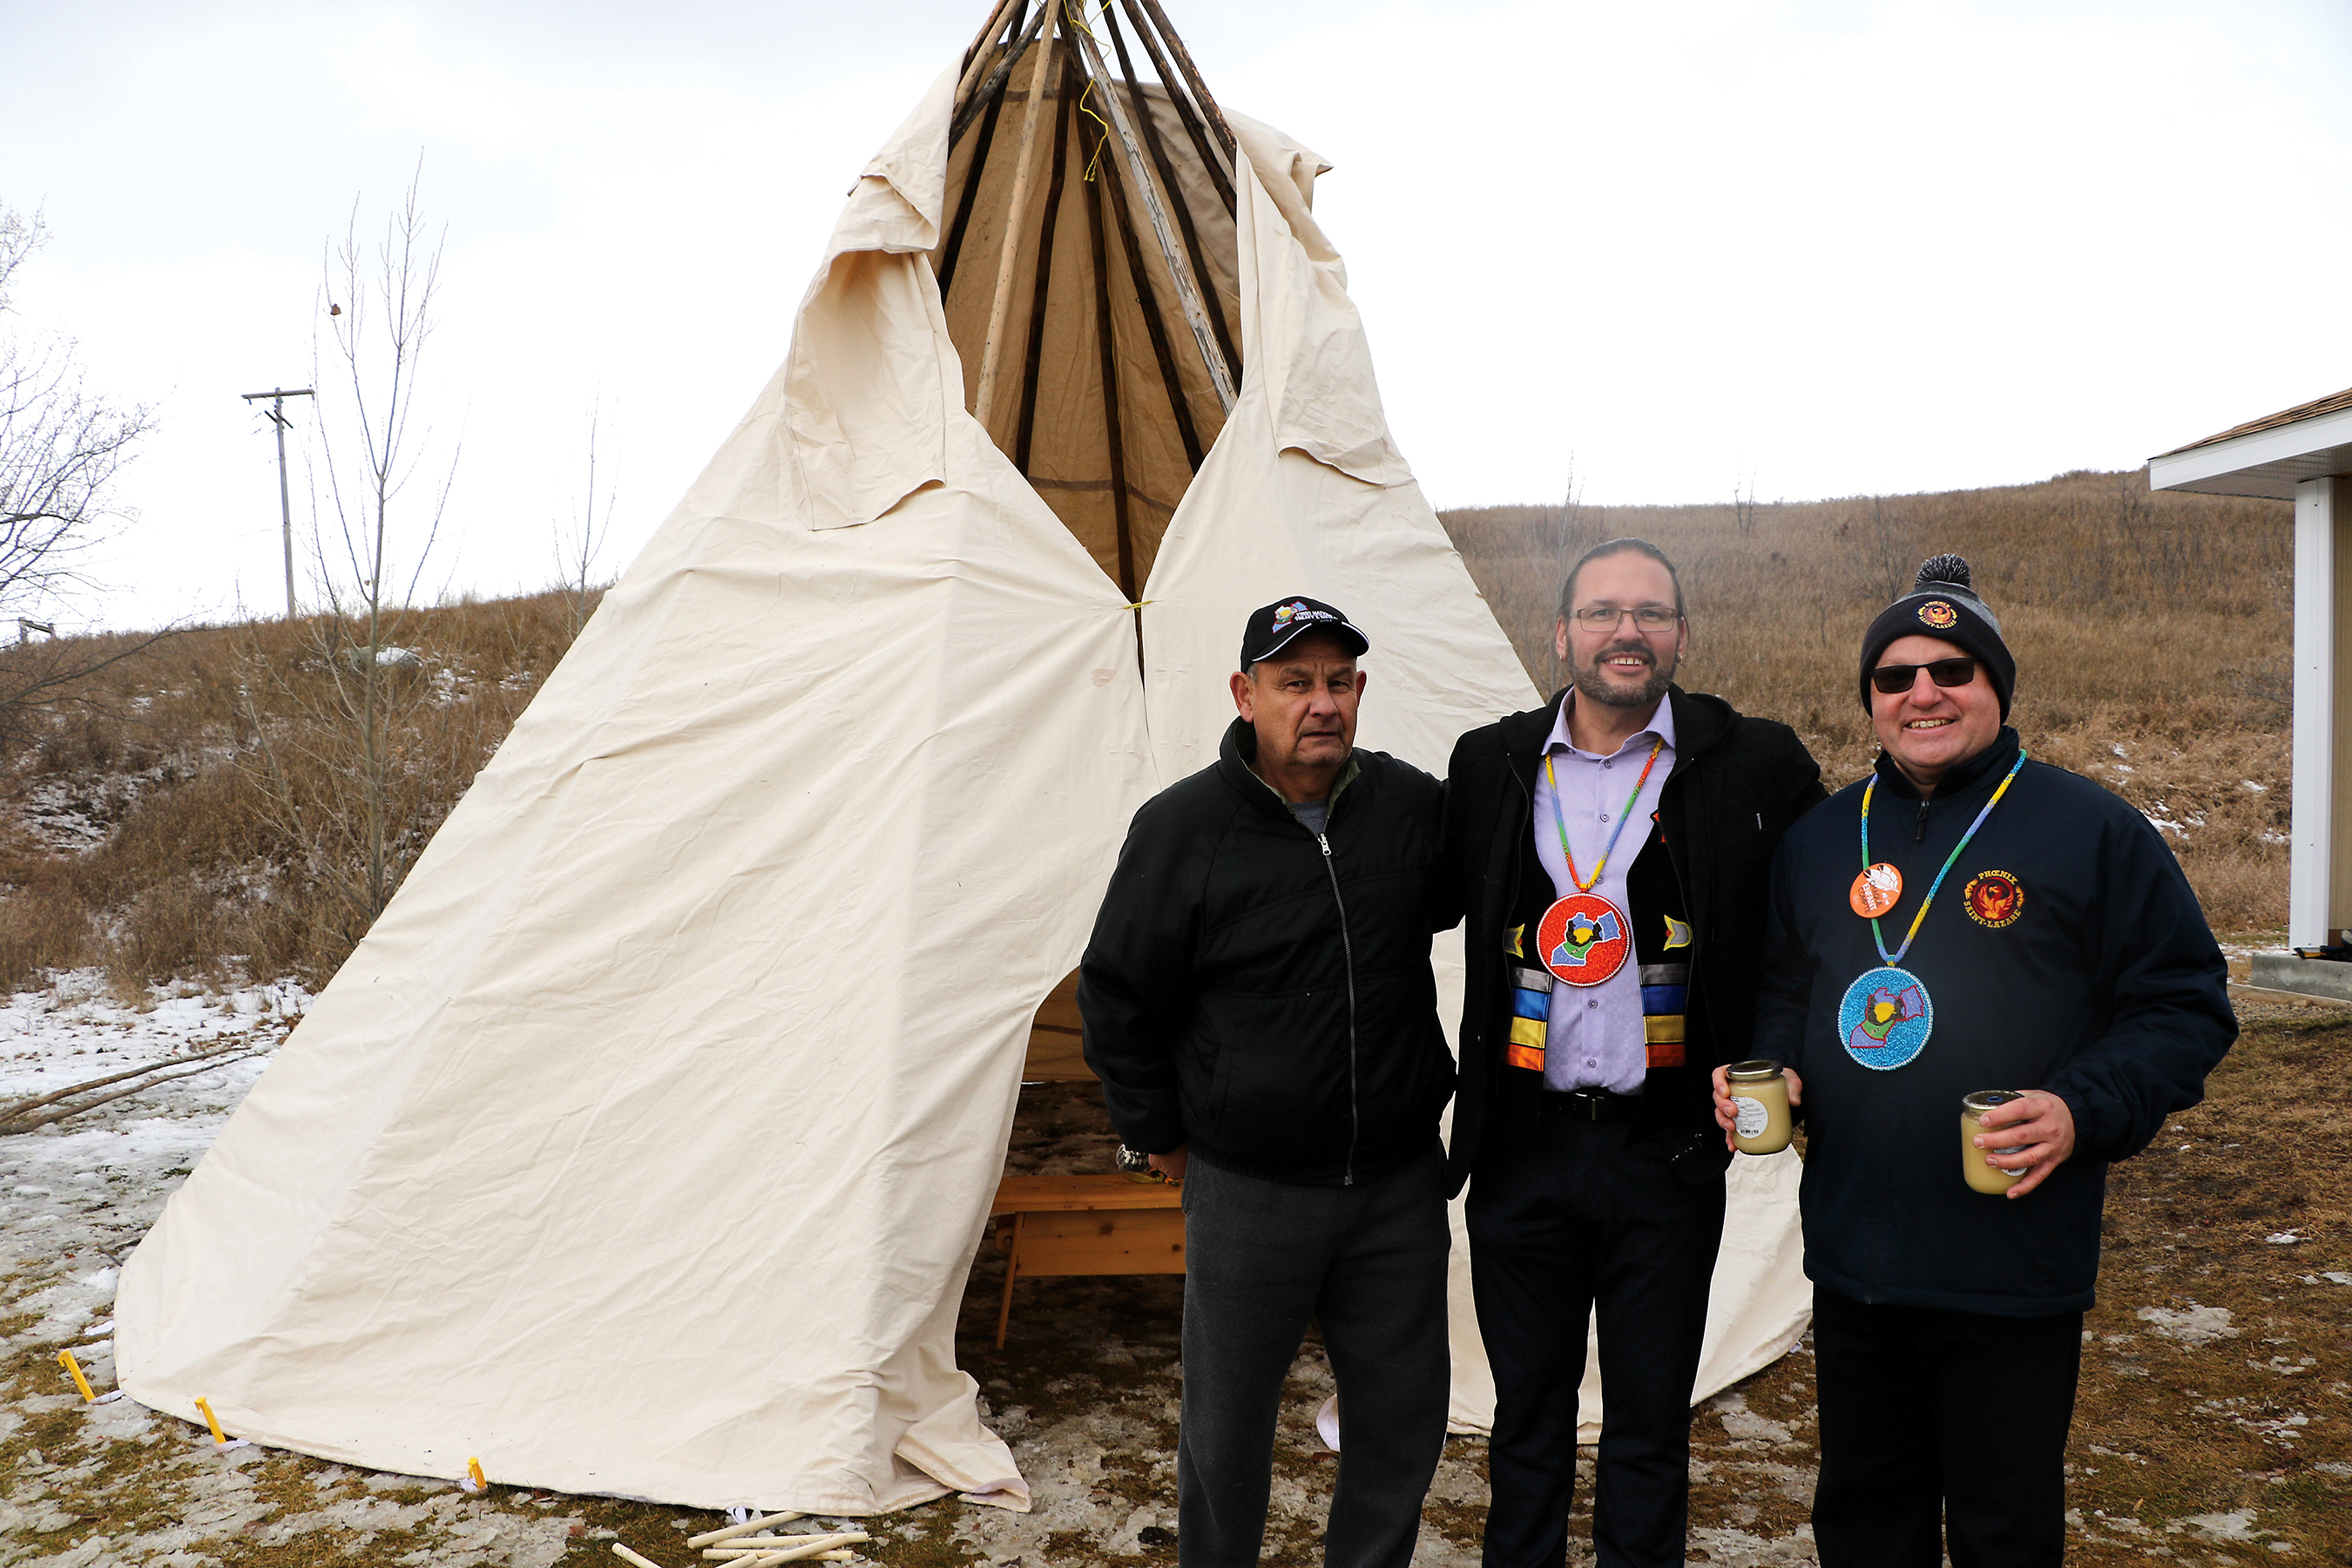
{"x":1560,"y":529}
{"x":60,"y":449}
{"x":579,"y":542}
{"x":1743,"y":505}
{"x":1891,"y":554}
{"x":335,"y":777}
{"x":1564,"y":525}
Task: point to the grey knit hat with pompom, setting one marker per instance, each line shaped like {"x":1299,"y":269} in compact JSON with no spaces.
{"x":1941,"y":603}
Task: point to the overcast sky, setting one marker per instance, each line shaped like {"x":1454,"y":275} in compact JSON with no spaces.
{"x":1831,"y":248}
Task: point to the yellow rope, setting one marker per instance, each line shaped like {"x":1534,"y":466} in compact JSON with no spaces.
{"x":1101,"y":141}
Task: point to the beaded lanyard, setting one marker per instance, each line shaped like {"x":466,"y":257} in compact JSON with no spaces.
{"x":1893,"y":960}
{"x":1586,"y":884}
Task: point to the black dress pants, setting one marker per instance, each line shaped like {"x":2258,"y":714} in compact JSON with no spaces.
{"x":1367,"y":1262}
{"x":1583,"y":1217}
{"x":1937,"y":1423}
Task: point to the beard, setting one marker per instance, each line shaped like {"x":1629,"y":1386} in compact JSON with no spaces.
{"x":1589,"y":682}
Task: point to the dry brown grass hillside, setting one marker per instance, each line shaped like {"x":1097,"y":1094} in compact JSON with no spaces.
{"x":2152,"y":635}
{"x":151,"y":830}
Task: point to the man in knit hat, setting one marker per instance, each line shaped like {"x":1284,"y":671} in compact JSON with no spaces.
{"x":2005,"y":926}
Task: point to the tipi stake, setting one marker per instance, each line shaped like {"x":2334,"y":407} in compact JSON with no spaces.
{"x":73,"y":1370}
{"x":748,"y":1527}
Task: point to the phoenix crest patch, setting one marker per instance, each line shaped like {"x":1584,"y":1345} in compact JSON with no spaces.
{"x":1995,"y":899}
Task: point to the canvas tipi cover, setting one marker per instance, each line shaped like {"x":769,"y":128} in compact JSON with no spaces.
{"x":644,"y":1146}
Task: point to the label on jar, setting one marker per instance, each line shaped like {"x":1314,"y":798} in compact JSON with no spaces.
{"x":1749,"y":1116}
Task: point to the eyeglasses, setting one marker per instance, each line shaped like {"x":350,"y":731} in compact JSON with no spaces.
{"x":1894,"y":679}
{"x":1606,"y":617}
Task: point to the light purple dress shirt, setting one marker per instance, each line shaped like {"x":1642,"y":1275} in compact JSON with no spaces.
{"x":1595,"y":1038}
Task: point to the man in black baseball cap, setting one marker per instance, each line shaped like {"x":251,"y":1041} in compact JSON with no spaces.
{"x":1259,"y":1006}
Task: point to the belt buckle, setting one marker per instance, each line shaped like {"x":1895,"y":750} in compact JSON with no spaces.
{"x":1593,"y":1103}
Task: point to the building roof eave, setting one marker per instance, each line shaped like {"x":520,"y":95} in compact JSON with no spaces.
{"x":2264,"y":456}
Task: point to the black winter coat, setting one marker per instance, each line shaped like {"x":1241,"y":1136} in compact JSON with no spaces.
{"x":2083,"y":966}
{"x":1738,"y":783}
{"x":1263,"y":994}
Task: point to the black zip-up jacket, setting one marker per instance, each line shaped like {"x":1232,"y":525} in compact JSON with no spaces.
{"x":1262,"y":993}
{"x":1738,"y":783}
{"x":2083,"y":966}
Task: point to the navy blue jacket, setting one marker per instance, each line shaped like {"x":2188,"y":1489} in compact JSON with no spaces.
{"x":2088,"y":972}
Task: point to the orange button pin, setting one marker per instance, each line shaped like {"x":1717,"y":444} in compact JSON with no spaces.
{"x":1876,"y":891}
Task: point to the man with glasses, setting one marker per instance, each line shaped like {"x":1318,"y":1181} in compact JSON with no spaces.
{"x":1611,"y":850}
{"x":1965,"y":922}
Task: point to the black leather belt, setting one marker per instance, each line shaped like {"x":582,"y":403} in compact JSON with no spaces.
{"x":1593,"y":1104}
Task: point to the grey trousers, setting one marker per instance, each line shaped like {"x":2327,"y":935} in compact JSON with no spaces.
{"x":1368,"y":1263}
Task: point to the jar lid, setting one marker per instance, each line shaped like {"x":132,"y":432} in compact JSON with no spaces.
{"x":1986,"y":1098}
{"x":1753,"y":1072}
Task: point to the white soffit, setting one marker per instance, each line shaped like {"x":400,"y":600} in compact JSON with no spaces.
{"x":2262,"y":462}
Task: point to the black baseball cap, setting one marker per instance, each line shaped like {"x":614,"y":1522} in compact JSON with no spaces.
{"x":1284,"y":622}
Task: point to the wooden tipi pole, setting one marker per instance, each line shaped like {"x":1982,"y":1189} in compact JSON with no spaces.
{"x":999,"y":309}
{"x":981,"y":40}
{"x":1027,"y":426}
{"x":1108,"y":355}
{"x":1153,"y":324}
{"x":1192,"y":76}
{"x":1162,"y":162}
{"x":1187,"y":290}
{"x":953,"y":248}
{"x":968,"y":108}
{"x":1220,"y":174}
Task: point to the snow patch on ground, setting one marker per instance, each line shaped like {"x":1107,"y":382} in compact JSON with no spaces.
{"x":2194,"y":1325}
{"x":1743,"y":1426}
{"x":89,"y":1188}
{"x":2237,"y":1525}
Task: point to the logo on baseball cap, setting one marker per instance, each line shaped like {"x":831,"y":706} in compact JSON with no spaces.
{"x":1277,"y":626}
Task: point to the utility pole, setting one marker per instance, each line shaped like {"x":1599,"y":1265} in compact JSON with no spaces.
{"x":276,"y":412}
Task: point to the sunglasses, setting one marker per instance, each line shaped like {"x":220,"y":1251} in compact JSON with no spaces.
{"x":1894,"y":679}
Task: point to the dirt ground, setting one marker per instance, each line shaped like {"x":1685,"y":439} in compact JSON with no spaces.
{"x":2214,"y":1426}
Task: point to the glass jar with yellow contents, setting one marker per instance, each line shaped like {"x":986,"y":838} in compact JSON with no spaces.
{"x":1759,"y":1105}
{"x":1980,"y":1174}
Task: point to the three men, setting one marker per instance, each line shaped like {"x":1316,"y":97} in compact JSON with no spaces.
{"x":1611,"y":850}
{"x":2039,"y":937}
{"x":1258,"y":1003}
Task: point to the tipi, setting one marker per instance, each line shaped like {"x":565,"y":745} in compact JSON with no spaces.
{"x":644,"y":1146}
